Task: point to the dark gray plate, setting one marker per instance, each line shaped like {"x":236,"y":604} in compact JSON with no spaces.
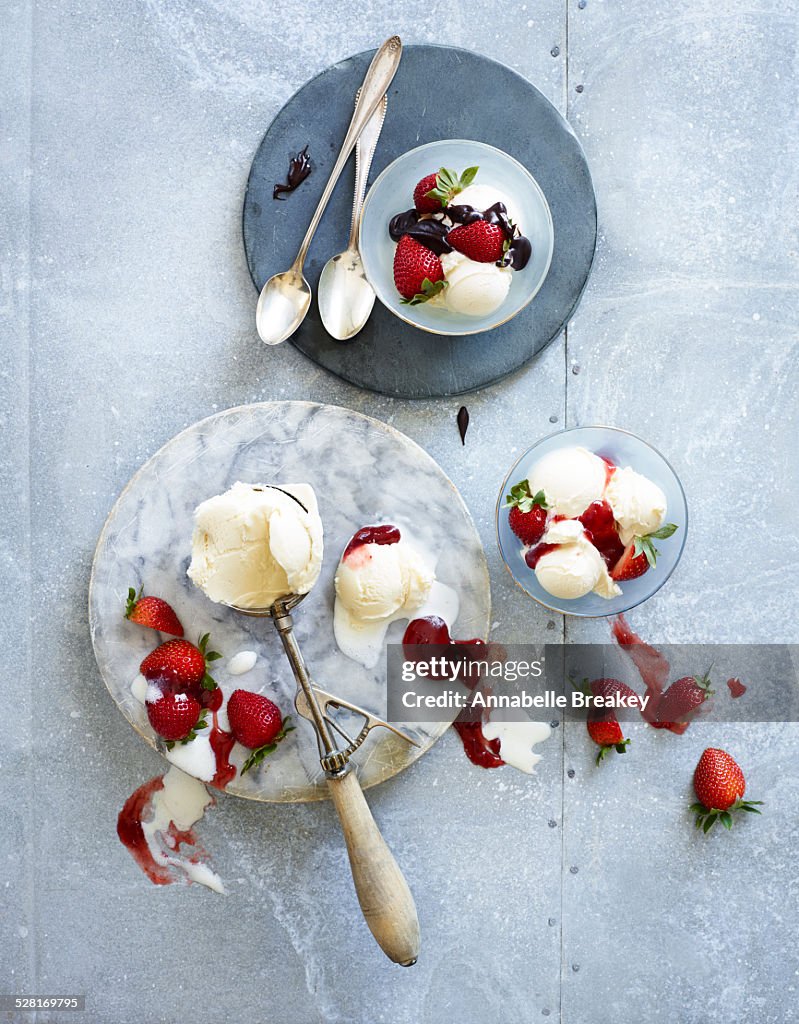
{"x":440,"y":92}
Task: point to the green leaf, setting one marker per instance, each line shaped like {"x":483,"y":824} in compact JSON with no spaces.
{"x":213,"y":656}
{"x":664,"y":531}
{"x":170,"y":744}
{"x":429,"y":289}
{"x":468,"y":176}
{"x":201,"y":725}
{"x":208,"y":682}
{"x":710,"y":821}
{"x":726,"y":819}
{"x":751,"y":810}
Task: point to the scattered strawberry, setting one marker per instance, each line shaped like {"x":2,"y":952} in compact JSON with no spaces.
{"x":681,"y":701}
{"x":528,"y":513}
{"x":720,"y":785}
{"x":257,"y":723}
{"x":604,"y":729}
{"x":152,"y":612}
{"x":480,"y":241}
{"x":435,"y":191}
{"x":183,"y":663}
{"x":630,"y":566}
{"x":174,"y":716}
{"x":611,"y":687}
{"x":418,"y":273}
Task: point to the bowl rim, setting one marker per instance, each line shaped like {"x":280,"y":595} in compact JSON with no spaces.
{"x":535,"y":187}
{"x":499,"y":506}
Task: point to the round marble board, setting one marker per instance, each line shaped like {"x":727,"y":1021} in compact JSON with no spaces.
{"x":363,"y":472}
{"x":439,"y":92}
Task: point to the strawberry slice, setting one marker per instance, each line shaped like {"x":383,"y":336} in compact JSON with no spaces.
{"x":152,"y":612}
{"x":630,"y":566}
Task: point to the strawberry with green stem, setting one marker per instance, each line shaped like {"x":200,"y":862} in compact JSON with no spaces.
{"x":720,"y":785}
{"x":418,"y":272}
{"x":528,"y":512}
{"x":436,"y":191}
{"x":640,"y":555}
{"x":152,"y":612}
{"x":182,"y":663}
{"x":257,"y":723}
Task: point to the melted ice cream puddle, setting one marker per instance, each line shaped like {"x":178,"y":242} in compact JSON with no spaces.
{"x":516,"y":741}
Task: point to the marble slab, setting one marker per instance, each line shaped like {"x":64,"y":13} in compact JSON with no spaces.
{"x":363,"y":472}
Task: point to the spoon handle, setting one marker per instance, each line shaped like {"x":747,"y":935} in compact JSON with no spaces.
{"x":364,"y":151}
{"x":378,"y":78}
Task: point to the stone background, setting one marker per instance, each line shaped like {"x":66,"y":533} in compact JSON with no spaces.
{"x":127,"y":314}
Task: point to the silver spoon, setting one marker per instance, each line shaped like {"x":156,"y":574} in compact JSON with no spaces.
{"x":285,"y":298}
{"x":345,"y":296}
{"x":383,"y":893}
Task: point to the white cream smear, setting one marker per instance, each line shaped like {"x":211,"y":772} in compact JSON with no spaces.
{"x":242,"y":662}
{"x":182,"y":801}
{"x":516,"y":741}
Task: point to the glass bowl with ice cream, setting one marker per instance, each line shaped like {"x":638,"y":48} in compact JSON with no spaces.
{"x":456,"y":237}
{"x":591,"y":521}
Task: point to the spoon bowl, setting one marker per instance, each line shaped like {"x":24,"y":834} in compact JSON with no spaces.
{"x":346,"y":298}
{"x":282,"y":306}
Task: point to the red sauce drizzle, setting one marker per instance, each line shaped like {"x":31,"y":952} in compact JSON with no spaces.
{"x":385,"y":534}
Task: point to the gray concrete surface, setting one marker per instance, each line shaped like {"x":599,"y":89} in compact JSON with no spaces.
{"x":127,"y":314}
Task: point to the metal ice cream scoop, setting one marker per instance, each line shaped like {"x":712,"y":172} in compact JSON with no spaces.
{"x":383,"y":893}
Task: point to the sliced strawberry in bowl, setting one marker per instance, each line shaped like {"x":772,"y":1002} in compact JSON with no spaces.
{"x":630,"y":566}
{"x":418,"y":273}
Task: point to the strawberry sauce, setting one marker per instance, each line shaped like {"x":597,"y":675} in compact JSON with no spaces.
{"x":386,"y":534}
{"x":221,"y":744}
{"x":600,"y":529}
{"x":736,"y":688}
{"x":131,"y":834}
{"x":433,"y":630}
{"x":534,"y":554}
{"x":651,"y":664}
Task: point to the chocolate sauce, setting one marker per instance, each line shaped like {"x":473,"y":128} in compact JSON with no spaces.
{"x":463,"y":423}
{"x":432,"y":231}
{"x":299,"y":169}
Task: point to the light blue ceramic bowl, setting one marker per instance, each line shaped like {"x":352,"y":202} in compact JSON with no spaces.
{"x":624,"y":449}
{"x":392,"y":192}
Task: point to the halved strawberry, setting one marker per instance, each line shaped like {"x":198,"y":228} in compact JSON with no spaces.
{"x":418,"y":273}
{"x":480,"y":241}
{"x":435,"y":191}
{"x":630,"y":566}
{"x":152,"y":612}
{"x":528,"y":513}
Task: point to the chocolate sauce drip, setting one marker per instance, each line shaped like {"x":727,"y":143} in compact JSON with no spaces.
{"x":463,"y":423}
{"x":299,"y":169}
{"x":432,"y":232}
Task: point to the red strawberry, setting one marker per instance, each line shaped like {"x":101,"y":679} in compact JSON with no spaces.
{"x":418,"y":274}
{"x":480,"y":241}
{"x":435,"y":191}
{"x":152,"y":612}
{"x":720,"y":785}
{"x":183,"y":664}
{"x":681,"y":702}
{"x":174,"y":716}
{"x":257,"y":723}
{"x":610,"y":687}
{"x":630,"y":566}
{"x":605,"y":731}
{"x":528,"y":513}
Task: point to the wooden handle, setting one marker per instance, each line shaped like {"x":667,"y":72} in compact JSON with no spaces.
{"x":383,"y":893}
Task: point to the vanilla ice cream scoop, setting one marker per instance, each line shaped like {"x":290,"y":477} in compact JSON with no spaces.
{"x":383,"y":576}
{"x":571,"y":478}
{"x":639,"y":505}
{"x":574,"y":567}
{"x":257,"y":543}
{"x":481,"y":197}
{"x":474,"y":289}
